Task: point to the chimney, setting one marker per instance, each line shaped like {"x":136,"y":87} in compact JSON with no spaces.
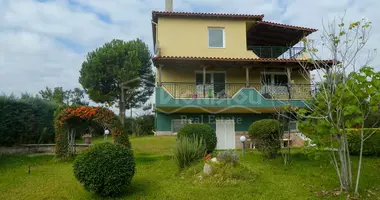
{"x":169,"y":5}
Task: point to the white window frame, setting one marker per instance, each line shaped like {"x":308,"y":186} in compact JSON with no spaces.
{"x":272,"y":86}
{"x":212,"y":75}
{"x":224,"y":37}
{"x":293,"y":122}
{"x":271,"y":76}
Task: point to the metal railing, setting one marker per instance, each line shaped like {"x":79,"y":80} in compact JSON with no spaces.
{"x":228,"y":90}
{"x":277,"y":51}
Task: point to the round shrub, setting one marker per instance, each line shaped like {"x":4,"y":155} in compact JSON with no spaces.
{"x":203,"y":131}
{"x":106,"y":169}
{"x":268,"y":134}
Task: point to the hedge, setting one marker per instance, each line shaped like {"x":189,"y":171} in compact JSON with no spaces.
{"x":203,"y":131}
{"x":268,"y":135}
{"x":26,"y":120}
{"x":371,"y":146}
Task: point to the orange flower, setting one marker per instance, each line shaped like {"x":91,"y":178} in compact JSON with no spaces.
{"x":207,"y":157}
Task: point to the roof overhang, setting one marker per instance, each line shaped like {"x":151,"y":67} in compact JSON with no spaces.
{"x":243,"y":62}
{"x":264,"y":33}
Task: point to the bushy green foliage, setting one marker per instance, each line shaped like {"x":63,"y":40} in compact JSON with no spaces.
{"x":268,"y":135}
{"x":203,"y":131}
{"x":188,"y":150}
{"x":228,"y":157}
{"x":229,"y":174}
{"x":371,"y":146}
{"x":143,"y":125}
{"x":106,"y":169}
{"x":26,"y":120}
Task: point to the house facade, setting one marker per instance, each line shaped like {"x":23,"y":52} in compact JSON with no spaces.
{"x":226,"y":70}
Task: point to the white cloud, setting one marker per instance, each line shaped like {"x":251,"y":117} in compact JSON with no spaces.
{"x":44,"y":43}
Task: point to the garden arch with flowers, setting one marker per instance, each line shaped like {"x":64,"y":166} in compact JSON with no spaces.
{"x":69,"y":118}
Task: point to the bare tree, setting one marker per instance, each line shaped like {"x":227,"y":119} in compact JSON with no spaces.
{"x":344,"y":44}
{"x":341,"y":100}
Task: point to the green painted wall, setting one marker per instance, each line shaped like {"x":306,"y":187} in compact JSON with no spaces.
{"x":247,"y":97}
{"x":242,"y":121}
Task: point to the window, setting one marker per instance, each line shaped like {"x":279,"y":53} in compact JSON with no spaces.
{"x":274,"y":79}
{"x":274,"y":83}
{"x":215,"y":84}
{"x":177,"y":124}
{"x":293,"y":126}
{"x":216,"y":38}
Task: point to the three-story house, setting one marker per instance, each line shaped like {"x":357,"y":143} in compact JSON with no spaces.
{"x":226,"y":70}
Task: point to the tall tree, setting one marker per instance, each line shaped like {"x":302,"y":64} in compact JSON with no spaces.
{"x":115,"y":67}
{"x":66,"y":97}
{"x":57,"y":95}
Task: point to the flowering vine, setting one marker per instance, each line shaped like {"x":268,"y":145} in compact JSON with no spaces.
{"x":67,"y":118}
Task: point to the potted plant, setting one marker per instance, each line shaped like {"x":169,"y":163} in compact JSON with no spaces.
{"x":87,"y":138}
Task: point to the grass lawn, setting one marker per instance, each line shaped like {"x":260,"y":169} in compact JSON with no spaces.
{"x":157,"y":177}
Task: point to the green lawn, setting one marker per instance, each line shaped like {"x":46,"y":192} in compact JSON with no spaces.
{"x":158,"y":178}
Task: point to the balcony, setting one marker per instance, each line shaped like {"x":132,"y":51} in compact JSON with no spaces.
{"x":277,"y":51}
{"x":182,"y":90}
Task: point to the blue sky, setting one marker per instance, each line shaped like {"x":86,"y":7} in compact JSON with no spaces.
{"x":43,"y":43}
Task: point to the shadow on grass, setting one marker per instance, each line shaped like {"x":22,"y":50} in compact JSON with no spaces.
{"x":149,"y":158}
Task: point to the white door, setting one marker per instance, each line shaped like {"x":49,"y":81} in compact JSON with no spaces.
{"x":225,"y":133}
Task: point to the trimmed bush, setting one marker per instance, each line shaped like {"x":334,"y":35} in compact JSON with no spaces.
{"x":106,"y":169}
{"x":268,"y":135}
{"x":228,"y":157}
{"x":202,"y":131}
{"x":188,"y":150}
{"x":371,"y":146}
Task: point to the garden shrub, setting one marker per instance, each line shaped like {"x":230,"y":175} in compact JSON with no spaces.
{"x":228,"y":157}
{"x":268,"y":135}
{"x":144,"y":125}
{"x":26,"y":120}
{"x":106,"y":169}
{"x":371,"y":146}
{"x":203,"y":131}
{"x":188,"y":150}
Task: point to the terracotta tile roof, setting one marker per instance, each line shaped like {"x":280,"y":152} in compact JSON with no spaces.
{"x":287,"y":26}
{"x":155,"y":14}
{"x":231,"y":59}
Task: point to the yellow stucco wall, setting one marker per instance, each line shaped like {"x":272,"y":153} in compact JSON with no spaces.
{"x":189,"y":37}
{"x":233,"y":74}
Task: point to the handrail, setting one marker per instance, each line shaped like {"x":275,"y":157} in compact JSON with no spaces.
{"x":228,"y":90}
{"x":277,"y":51}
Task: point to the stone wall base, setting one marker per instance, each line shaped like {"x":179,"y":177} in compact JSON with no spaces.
{"x":36,"y":148}
{"x":164,"y":133}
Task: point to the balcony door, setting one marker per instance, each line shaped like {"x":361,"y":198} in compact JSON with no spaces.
{"x":274,"y":83}
{"x":215,"y":84}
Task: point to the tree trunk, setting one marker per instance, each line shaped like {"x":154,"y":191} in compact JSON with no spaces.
{"x":122,"y":112}
{"x":360,"y":159}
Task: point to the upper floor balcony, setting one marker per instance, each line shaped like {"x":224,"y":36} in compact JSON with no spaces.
{"x":188,"y":90}
{"x":277,"y":52}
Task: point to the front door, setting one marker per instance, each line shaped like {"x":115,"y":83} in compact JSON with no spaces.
{"x":225,"y":133}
